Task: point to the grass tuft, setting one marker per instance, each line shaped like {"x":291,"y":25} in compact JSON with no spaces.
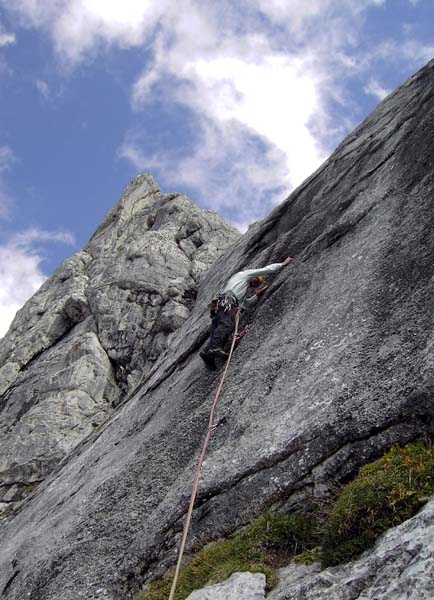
{"x":308,"y":557}
{"x":263,"y":546}
{"x":383,"y":495}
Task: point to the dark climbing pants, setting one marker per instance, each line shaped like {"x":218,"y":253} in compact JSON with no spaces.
{"x":223,"y":324}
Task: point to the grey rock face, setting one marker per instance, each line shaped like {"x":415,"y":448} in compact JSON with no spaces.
{"x":401,"y":566}
{"x":54,"y":405}
{"x":145,"y":272}
{"x":43,"y":320}
{"x":92,"y":330}
{"x":240,"y":586}
{"x":337,"y":367}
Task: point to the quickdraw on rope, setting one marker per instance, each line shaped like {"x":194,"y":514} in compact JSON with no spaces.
{"x":211,"y":427}
{"x":243,"y":332}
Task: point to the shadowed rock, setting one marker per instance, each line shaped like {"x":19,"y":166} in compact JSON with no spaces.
{"x":337,"y":367}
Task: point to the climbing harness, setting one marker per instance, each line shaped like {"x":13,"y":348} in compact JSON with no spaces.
{"x":211,"y":428}
{"x":227,"y":301}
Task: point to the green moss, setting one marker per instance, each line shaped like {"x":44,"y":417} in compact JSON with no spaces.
{"x":385,"y":493}
{"x":308,"y":557}
{"x":262,"y":547}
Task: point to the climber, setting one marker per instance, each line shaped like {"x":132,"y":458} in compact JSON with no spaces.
{"x":224,"y":307}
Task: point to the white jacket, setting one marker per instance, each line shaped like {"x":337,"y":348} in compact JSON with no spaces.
{"x":239,"y":283}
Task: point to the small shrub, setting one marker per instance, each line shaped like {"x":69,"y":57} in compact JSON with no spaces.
{"x":385,"y":493}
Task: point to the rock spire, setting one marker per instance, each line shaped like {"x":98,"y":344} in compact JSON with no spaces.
{"x":94,"y":329}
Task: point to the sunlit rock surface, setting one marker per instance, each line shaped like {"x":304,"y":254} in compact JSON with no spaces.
{"x":243,"y":586}
{"x":93,"y":329}
{"x":337,"y":367}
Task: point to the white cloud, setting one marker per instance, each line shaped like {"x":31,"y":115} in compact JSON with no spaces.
{"x":20,"y":277}
{"x":243,"y":83}
{"x":274,"y":97}
{"x":272,"y":82}
{"x":6,"y":158}
{"x":78,"y":27}
{"x":414,"y":52}
{"x":43,"y":88}
{"x":407,"y":54}
{"x":257,"y":76}
{"x":26,"y":239}
{"x":20,"y":271}
{"x":374,"y":88}
{"x":6,"y":39}
{"x":239,"y":174}
{"x":268,"y":95}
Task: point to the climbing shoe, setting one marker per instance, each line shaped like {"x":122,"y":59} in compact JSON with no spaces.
{"x":208,"y":360}
{"x":218,"y":353}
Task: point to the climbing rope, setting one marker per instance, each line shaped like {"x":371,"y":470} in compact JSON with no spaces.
{"x":211,"y":427}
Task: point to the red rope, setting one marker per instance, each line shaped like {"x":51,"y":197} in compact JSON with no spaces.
{"x":201,"y":459}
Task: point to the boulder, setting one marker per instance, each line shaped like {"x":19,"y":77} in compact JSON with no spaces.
{"x":240,"y":586}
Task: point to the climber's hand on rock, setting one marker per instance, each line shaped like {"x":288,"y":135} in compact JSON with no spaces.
{"x":262,"y":290}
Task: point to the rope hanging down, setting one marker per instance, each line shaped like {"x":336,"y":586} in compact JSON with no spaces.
{"x":201,"y":459}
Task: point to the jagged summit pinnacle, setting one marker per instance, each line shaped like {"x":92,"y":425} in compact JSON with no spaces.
{"x":92,"y":331}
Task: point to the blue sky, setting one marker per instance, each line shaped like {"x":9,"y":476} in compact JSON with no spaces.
{"x":233,"y":103}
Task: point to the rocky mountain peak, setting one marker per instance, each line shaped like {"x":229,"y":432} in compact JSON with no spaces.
{"x":92,"y":331}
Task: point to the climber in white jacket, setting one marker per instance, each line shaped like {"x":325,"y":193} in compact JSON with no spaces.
{"x":224,"y":308}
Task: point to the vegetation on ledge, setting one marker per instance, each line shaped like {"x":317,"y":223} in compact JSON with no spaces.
{"x":383,"y":495}
{"x":262,"y":547}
